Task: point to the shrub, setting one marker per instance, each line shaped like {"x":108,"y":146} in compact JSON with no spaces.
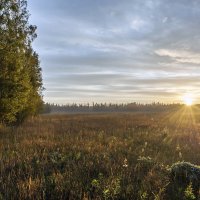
{"x":185,"y":180}
{"x":185,"y":172}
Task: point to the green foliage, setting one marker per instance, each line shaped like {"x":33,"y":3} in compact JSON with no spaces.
{"x":189,"y":195}
{"x":143,"y":196}
{"x":20,"y":74}
{"x":108,"y":187}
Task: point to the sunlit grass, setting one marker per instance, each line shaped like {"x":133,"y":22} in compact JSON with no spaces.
{"x":185,"y":117}
{"x":104,"y":156}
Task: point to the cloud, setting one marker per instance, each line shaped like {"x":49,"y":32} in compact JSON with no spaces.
{"x":181,"y":56}
{"x":127,"y":50}
{"x":164,"y":19}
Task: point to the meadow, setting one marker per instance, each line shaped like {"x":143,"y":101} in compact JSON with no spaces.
{"x":101,"y":156}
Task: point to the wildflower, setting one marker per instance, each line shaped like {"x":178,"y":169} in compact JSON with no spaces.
{"x":145,"y":144}
{"x":142,"y":150}
{"x":178,"y":148}
{"x":180,"y":155}
{"x":125,"y":164}
{"x":165,"y":130}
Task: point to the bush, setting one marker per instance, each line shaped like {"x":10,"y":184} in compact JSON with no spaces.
{"x":185,"y":172}
{"x":185,"y":180}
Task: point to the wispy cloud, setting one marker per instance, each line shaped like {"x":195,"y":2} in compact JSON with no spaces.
{"x":181,"y":56}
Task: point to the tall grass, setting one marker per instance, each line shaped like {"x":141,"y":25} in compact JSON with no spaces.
{"x":98,"y":156}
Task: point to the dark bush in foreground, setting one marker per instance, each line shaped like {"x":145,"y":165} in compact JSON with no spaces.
{"x":185,"y":180}
{"x":185,"y":172}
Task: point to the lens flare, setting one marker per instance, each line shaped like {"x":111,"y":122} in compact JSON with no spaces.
{"x":188,"y":99}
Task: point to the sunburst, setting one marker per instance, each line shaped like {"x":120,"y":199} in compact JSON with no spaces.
{"x":188,"y":99}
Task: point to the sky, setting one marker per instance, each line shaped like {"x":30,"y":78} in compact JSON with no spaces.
{"x":118,"y":50}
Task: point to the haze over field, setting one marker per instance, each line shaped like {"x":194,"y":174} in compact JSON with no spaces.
{"x":118,"y":51}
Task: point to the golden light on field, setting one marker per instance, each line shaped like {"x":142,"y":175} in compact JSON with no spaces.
{"x":188,"y":99}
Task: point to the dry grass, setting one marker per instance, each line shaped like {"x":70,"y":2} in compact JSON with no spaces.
{"x":98,"y":156}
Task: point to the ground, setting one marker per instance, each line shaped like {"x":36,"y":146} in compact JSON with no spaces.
{"x":99,"y":156}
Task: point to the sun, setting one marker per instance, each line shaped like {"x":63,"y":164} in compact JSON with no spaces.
{"x":188,"y":99}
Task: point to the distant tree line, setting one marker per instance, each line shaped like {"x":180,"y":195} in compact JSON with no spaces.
{"x":20,"y":73}
{"x":110,"y":107}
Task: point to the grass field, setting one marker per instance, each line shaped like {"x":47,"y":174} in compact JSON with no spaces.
{"x":100,"y":156}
